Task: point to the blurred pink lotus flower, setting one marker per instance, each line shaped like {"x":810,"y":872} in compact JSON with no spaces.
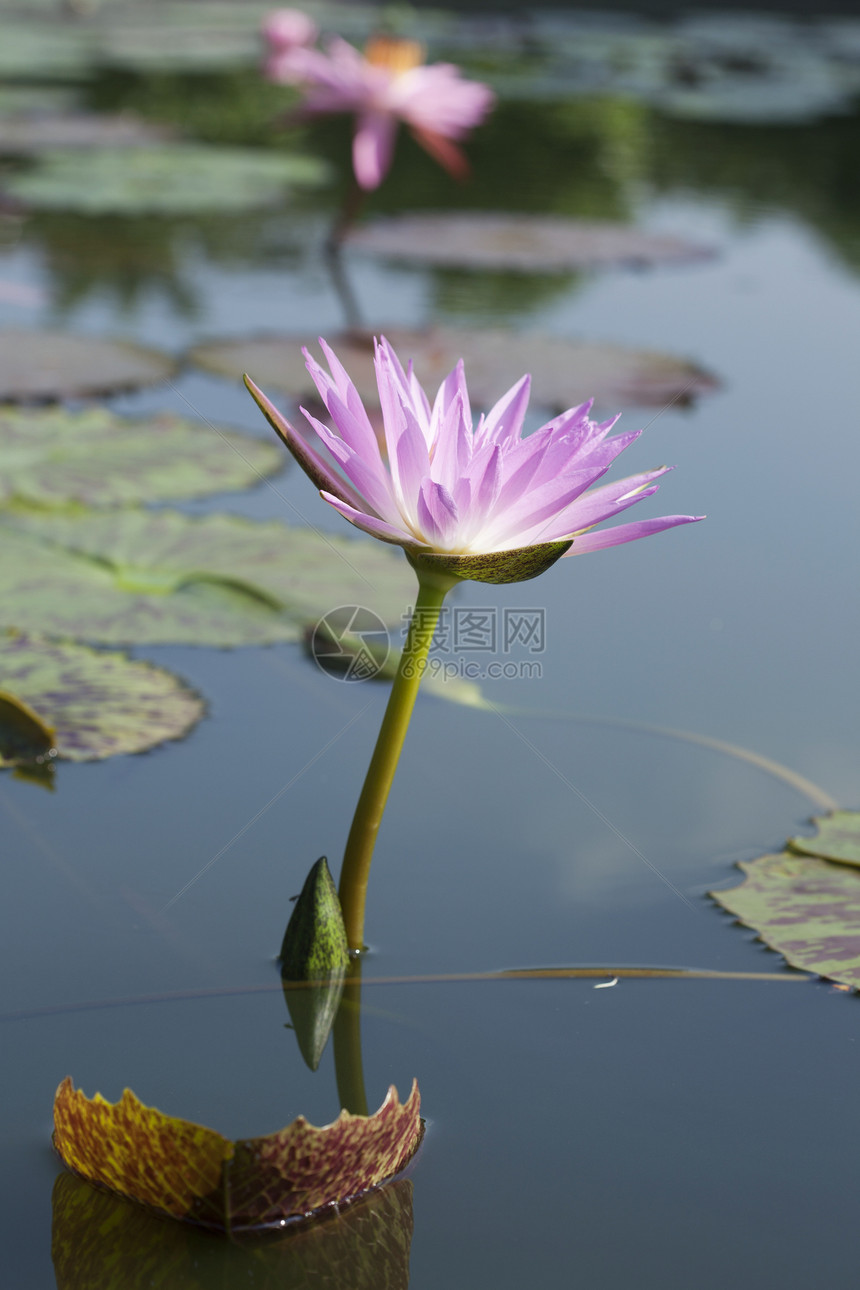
{"x":284,"y":30}
{"x":481,"y":503}
{"x":386,"y":84}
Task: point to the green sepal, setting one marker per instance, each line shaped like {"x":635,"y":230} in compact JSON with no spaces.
{"x":491,"y":566}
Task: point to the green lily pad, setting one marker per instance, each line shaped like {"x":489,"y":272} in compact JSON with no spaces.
{"x":838,"y":838}
{"x":17,"y":101}
{"x":170,"y":179}
{"x":524,"y":243}
{"x":148,"y":577}
{"x":50,"y":456}
{"x":42,"y":132}
{"x":806,"y":907}
{"x":564,"y":372}
{"x":42,"y":365}
{"x":173,"y":49}
{"x":66,"y":700}
{"x":44,"y":49}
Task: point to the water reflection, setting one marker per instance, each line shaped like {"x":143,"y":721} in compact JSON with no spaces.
{"x":319,"y":1008}
{"x":614,"y":151}
{"x":312,"y":1007}
{"x":123,"y":259}
{"x":100,"y":1242}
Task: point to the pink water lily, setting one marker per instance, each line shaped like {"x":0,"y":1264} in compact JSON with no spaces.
{"x":480,"y":501}
{"x":287,"y":29}
{"x":385,"y":85}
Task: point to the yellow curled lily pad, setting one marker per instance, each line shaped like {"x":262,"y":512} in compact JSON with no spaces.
{"x":192,"y":1173}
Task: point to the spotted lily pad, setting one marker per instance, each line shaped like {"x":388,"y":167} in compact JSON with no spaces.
{"x":41,"y":132}
{"x":564,"y":372}
{"x":101,"y":1242}
{"x":46,"y":365}
{"x":806,"y":907}
{"x":147,"y":577}
{"x":837,"y":838}
{"x":50,"y":456}
{"x":524,"y":243}
{"x":170,"y":179}
{"x":189,"y":1172}
{"x":65,"y":700}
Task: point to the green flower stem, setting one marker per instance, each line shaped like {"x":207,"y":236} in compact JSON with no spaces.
{"x":432,"y":589}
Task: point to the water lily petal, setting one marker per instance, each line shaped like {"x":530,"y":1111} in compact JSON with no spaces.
{"x":373,"y":147}
{"x":314,"y":466}
{"x":437,"y":514}
{"x":467,"y":496}
{"x":370,"y":523}
{"x":598,"y":504}
{"x":373,"y":484}
{"x":599,"y":539}
{"x":504,"y":422}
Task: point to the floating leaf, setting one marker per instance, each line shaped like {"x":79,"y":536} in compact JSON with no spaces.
{"x":527,"y":243}
{"x":807,"y":909}
{"x":41,"y":132}
{"x":46,"y":365}
{"x":84,"y":704}
{"x":148,"y":577}
{"x":30,"y":100}
{"x":163,"y":36}
{"x":43,"y":50}
{"x":170,"y":49}
{"x":564,"y":372}
{"x":315,"y":948}
{"x":805,"y":906}
{"x":189,"y":1172}
{"x":838,"y":838}
{"x":174,"y":178}
{"x":50,"y":456}
{"x":100,"y":1242}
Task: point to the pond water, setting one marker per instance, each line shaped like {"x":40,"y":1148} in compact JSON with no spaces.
{"x":671,"y":1133}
